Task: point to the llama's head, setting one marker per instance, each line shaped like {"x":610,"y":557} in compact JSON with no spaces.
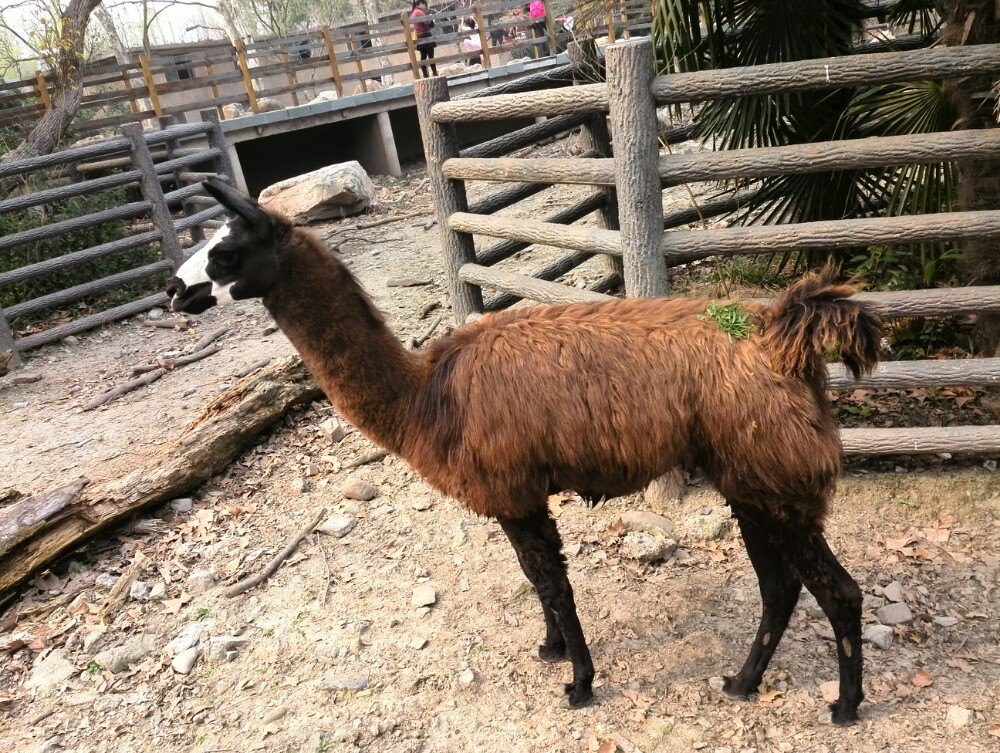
{"x":240,"y":260}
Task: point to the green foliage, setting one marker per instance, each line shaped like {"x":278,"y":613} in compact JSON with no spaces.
{"x":74,"y":241}
{"x":731,"y":320}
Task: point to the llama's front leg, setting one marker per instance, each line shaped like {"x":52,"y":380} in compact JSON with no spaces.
{"x":536,"y":541}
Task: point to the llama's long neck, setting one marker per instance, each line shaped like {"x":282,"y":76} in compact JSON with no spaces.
{"x":361,"y":366}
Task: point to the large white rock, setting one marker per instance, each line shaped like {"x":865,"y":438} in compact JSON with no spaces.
{"x":323,"y":96}
{"x":332,"y":191}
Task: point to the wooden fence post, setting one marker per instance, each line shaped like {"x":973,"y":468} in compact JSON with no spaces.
{"x":290,"y":77}
{"x":172,"y":145}
{"x":334,"y":69}
{"x":411,"y":48}
{"x":215,"y":89}
{"x":152,"y":192}
{"x":550,"y":30}
{"x":630,"y":71}
{"x":43,"y":91}
{"x":217,"y":140}
{"x":154,"y":98}
{"x":358,"y":64}
{"x":7,"y":344}
{"x":241,"y":57}
{"x":611,"y":25}
{"x":594,"y":136}
{"x":133,"y":106}
{"x":484,"y":38}
{"x":441,"y":143}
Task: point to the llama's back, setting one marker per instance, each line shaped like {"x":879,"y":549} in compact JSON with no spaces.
{"x":603,"y":398}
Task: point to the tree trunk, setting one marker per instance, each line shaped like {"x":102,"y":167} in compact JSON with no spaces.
{"x":976,"y":22}
{"x":227,"y":13}
{"x":45,"y":136}
{"x":121,"y":51}
{"x":35,"y":531}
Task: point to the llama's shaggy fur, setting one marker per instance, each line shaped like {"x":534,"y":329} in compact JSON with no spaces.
{"x":597,"y":398}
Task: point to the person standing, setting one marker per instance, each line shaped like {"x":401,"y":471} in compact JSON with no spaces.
{"x":422,"y":25}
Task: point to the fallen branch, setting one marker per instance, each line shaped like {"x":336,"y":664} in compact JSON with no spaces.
{"x":416,"y":342}
{"x":180,"y":323}
{"x":208,"y":339}
{"x":371,"y":457}
{"x":124,"y":389}
{"x":122,"y":587}
{"x":387,"y":220}
{"x":43,"y":528}
{"x":252,"y":368}
{"x":274,"y":564}
{"x":176,"y":363}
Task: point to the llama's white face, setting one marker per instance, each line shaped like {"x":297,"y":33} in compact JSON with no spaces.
{"x":238,"y":262}
{"x":192,"y":289}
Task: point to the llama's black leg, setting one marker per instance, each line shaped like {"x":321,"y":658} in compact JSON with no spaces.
{"x":537,"y":543}
{"x":779,"y":592}
{"x":840,"y":598}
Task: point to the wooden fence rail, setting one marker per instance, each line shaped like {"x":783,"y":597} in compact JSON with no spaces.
{"x":142,"y":174}
{"x":637,"y":173}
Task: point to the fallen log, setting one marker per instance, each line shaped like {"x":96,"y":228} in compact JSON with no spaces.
{"x":38,"y":529}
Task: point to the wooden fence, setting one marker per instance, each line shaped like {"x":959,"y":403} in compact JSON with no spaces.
{"x":631,"y":223}
{"x":151,"y":159}
{"x":183,"y":80}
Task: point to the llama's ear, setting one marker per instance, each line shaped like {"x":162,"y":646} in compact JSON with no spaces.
{"x":240,"y":204}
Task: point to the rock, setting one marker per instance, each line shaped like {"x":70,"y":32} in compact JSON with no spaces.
{"x":418,"y":643}
{"x":360,"y":490}
{"x":830,"y":691}
{"x":647,"y":522}
{"x":894,"y":614}
{"x":808,"y":602}
{"x":139,"y":591}
{"x":467,"y":677}
{"x":421,"y":505}
{"x":332,"y":430}
{"x":106,"y":581}
{"x":946,"y":621}
{"x":93,"y":637}
{"x":274,"y":715}
{"x":71,"y":340}
{"x":51,"y":672}
{"x":269,"y":104}
{"x":323,"y":96}
{"x":337,"y":190}
{"x":233,"y":110}
{"x":301,"y":485}
{"x":958,"y":717}
{"x":158,"y":591}
{"x":119,"y":658}
{"x":343,"y":682}
{"x":200,"y":581}
{"x":337,"y":525}
{"x":708,"y":525}
{"x":51,"y":745}
{"x":664,"y":490}
{"x":879,"y":635}
{"x":648,"y":548}
{"x":423,"y":596}
{"x":183,"y":505}
{"x":220,"y":645}
{"x":184,"y":662}
{"x":188,"y":638}
{"x":894,"y":591}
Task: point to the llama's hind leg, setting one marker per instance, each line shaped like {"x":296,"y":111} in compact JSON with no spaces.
{"x":840,"y":597}
{"x":779,"y":592}
{"x":536,"y":541}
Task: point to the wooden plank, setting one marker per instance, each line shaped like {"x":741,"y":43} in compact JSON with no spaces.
{"x":906,"y":304}
{"x":895,"y":375}
{"x":561,"y":75}
{"x":411,"y":47}
{"x":358,"y":64}
{"x":77,"y":154}
{"x":827,"y":73}
{"x":527,"y":287}
{"x":630,"y":67}
{"x":241,"y":57}
{"x":332,"y":59}
{"x":91,"y":322}
{"x":66,"y":261}
{"x":484,"y":40}
{"x":824,"y":156}
{"x":440,"y":143}
{"x":154,"y":98}
{"x":551,"y":271}
{"x":505,"y":249}
{"x":506,"y":197}
{"x":594,"y":240}
{"x":43,"y":92}
{"x":953,"y":439}
{"x":53,"y":229}
{"x":86,"y":289}
{"x":523,"y":137}
{"x":196,"y":219}
{"x":590,"y":98}
{"x":566,"y":170}
{"x":152,"y":191}
{"x":62,"y":193}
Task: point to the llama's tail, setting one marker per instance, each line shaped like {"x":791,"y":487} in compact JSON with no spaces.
{"x":815,"y":316}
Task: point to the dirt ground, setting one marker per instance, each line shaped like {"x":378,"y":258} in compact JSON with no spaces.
{"x":344,"y":649}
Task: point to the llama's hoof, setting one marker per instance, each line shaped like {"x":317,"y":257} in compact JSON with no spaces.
{"x":552,"y":654}
{"x":838,"y":716}
{"x":578,"y":696}
{"x":727,"y":687}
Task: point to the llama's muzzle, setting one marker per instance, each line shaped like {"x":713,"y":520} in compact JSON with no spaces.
{"x":190,"y":299}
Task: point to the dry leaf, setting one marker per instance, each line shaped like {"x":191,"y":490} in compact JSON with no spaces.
{"x":921,"y":679}
{"x":770,"y":696}
{"x":608,"y":746}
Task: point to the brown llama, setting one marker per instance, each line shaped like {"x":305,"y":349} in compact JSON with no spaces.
{"x":597,"y":398}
